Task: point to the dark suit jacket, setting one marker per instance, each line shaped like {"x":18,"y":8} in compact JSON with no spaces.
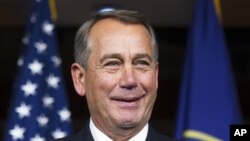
{"x":85,"y":135}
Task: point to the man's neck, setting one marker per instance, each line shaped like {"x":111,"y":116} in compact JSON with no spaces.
{"x":98,"y":135}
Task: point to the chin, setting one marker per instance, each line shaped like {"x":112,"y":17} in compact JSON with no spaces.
{"x":128,"y":123}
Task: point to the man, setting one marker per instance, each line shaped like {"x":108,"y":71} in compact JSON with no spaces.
{"x":117,"y":70}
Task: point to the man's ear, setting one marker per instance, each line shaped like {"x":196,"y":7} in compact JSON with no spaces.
{"x":156,"y":73}
{"x":78,"y":77}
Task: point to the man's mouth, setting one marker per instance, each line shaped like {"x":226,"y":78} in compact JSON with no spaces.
{"x":127,"y":102}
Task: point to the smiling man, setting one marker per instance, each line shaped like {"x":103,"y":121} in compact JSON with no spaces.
{"x":116,"y":69}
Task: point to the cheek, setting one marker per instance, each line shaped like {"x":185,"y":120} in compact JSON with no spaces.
{"x":98,"y":88}
{"x":149,"y":81}
{"x":106,"y":82}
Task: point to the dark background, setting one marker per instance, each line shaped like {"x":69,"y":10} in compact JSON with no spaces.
{"x":170,"y":20}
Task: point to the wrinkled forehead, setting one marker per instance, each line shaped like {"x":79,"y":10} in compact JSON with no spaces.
{"x":114,"y":36}
{"x":109,"y":28}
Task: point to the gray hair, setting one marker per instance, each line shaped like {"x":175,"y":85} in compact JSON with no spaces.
{"x":82,"y":49}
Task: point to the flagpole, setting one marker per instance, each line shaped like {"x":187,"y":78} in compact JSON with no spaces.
{"x":53,"y":11}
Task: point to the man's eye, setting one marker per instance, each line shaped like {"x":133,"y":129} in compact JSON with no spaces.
{"x":143,"y":65}
{"x":112,"y":64}
{"x":142,"y":62}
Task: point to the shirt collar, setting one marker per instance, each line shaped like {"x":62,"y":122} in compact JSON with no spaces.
{"x":100,"y":136}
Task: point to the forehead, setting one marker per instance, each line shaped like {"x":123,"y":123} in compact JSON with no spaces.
{"x":112,"y":31}
{"x":110,"y":35}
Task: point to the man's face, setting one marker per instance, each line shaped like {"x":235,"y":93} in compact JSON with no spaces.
{"x":122,"y":77}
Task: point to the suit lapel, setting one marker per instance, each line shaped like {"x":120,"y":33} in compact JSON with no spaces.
{"x":84,"y":134}
{"x":151,"y":134}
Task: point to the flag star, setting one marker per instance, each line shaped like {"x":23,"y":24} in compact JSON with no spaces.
{"x":64,"y":114}
{"x":58,"y":134}
{"x":20,"y":62}
{"x":17,"y":132}
{"x":47,"y":28}
{"x":48,"y":101}
{"x":23,"y":110}
{"x":29,"y":88}
{"x":36,"y":67}
{"x":40,"y":46}
{"x":42,"y":120}
{"x":25,"y":39}
{"x":37,"y":137}
{"x":53,"y":81}
{"x":33,"y":18}
{"x":56,"y":60}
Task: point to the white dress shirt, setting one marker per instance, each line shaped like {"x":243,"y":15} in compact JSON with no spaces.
{"x":100,"y":136}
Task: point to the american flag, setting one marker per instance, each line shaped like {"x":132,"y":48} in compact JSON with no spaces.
{"x":39,"y":109}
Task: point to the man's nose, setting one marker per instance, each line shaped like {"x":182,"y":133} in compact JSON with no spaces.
{"x":128,"y":78}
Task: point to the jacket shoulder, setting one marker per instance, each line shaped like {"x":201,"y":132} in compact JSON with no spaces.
{"x":83,"y":135}
{"x":154,"y":136}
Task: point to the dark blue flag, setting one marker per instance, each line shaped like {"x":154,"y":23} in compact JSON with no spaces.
{"x":208,"y":101}
{"x":39,"y":108}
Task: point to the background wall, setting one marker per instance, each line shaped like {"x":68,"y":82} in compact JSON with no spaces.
{"x":170,"y":20}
